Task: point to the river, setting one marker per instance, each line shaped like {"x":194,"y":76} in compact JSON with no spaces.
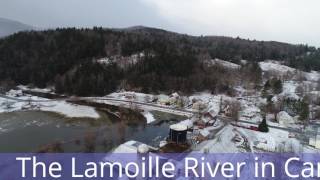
{"x":30,"y":131}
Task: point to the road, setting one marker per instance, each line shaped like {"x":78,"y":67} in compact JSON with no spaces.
{"x":156,"y":107}
{"x":299,"y":131}
{"x":143,"y":105}
{"x":114,"y":101}
{"x":224,"y":118}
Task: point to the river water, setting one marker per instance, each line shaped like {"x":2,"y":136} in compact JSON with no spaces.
{"x":28,"y":131}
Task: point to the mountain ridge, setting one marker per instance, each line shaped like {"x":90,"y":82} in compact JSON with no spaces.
{"x":9,"y":27}
{"x":66,"y":58}
{"x":154,"y":29}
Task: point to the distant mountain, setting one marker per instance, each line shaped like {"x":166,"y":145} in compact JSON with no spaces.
{"x":8,"y":27}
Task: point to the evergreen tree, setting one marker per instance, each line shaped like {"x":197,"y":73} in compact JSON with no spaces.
{"x":277,"y":86}
{"x":252,"y":74}
{"x":263,"y":126}
{"x":256,"y":74}
{"x":266,"y":89}
{"x":267,"y":85}
{"x":304,"y":112}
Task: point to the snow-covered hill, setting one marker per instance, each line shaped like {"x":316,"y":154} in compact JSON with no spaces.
{"x":271,"y":67}
{"x":281,"y":70}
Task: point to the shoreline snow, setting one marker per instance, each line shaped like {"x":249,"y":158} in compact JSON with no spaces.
{"x":61,"y":107}
{"x":149,"y":117}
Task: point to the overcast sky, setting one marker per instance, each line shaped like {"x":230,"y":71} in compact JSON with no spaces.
{"x":294,"y":21}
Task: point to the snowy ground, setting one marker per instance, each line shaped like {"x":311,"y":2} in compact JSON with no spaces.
{"x":225,"y":64}
{"x":70,"y":110}
{"x":149,"y":117}
{"x":221,"y":144}
{"x":130,"y":95}
{"x":145,"y":107}
{"x":42,"y":104}
{"x":289,"y":90}
{"x":275,"y":141}
{"x":275,"y":67}
{"x":45,"y":90}
{"x":282,"y":70}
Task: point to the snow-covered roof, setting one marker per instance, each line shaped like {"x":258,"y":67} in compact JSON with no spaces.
{"x":284,"y":118}
{"x":163,"y":98}
{"x":223,"y":145}
{"x":179,"y":127}
{"x":187,"y":122}
{"x":175,"y":94}
{"x":204,"y":132}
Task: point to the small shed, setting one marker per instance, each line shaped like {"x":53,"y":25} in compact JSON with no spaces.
{"x":178,"y":133}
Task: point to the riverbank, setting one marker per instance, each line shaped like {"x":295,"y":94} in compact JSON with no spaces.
{"x":39,"y":131}
{"x":16,"y":100}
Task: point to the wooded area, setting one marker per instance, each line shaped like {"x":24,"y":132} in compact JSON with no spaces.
{"x":65,"y":58}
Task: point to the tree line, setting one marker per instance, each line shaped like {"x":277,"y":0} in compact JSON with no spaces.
{"x":65,"y":58}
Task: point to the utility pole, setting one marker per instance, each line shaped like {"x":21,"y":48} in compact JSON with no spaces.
{"x":220,"y":105}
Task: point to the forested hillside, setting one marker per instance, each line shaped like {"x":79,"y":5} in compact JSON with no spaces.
{"x":67,"y":59}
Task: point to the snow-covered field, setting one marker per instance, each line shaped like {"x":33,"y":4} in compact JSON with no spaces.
{"x":225,"y":64}
{"x":44,"y":90}
{"x":70,"y":110}
{"x":275,"y":67}
{"x":282,"y":70}
{"x":42,"y":104}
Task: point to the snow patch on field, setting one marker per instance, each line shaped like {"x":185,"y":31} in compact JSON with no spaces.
{"x":271,"y":66}
{"x":36,"y":103}
{"x":289,"y":90}
{"x":223,"y":63}
{"x":313,"y":76}
{"x":45,"y":90}
{"x":275,"y":67}
{"x":70,"y":110}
